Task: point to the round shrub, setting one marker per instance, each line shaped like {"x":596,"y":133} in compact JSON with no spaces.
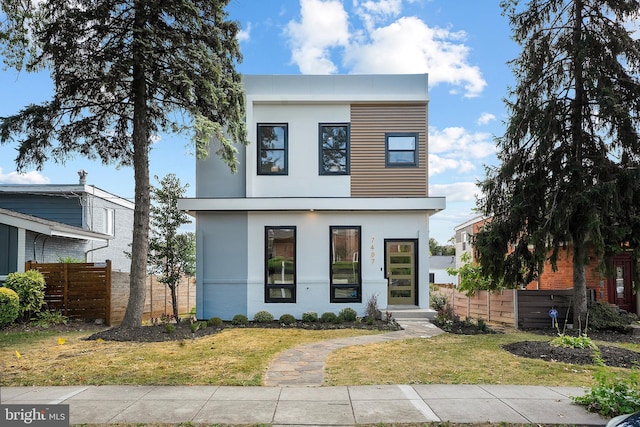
{"x":30,"y":289}
{"x":263,"y":316}
{"x":214,"y":321}
{"x":9,"y":306}
{"x":310,"y":316}
{"x":287,"y":319}
{"x":348,"y":314}
{"x":328,"y":317}
{"x":240,"y":320}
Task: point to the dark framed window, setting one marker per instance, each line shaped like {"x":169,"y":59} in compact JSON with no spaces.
{"x":280,"y":264}
{"x":334,"y":148}
{"x":345,"y":275}
{"x":273,"y":146}
{"x":401,"y":149}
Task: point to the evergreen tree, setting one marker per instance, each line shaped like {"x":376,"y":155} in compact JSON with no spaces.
{"x":124,"y":71}
{"x":570,"y":155}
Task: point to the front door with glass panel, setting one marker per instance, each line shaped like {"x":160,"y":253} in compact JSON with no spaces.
{"x":621,"y":284}
{"x":400,"y":256}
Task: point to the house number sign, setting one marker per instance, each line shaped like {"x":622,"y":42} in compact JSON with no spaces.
{"x":372,"y":255}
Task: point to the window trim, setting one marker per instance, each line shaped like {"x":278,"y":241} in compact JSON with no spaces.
{"x":267,"y":285}
{"x":387,"y":151}
{"x":332,"y":286}
{"x":347,"y":170}
{"x":285,"y":170}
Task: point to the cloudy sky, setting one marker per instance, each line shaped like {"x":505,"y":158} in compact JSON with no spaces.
{"x":463,"y":46}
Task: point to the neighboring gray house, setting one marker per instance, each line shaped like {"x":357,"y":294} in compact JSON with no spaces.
{"x":25,"y":237}
{"x":81,"y":222}
{"x":438,"y":265}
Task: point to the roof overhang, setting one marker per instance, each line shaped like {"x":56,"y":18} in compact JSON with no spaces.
{"x":336,"y":204}
{"x":49,"y":228}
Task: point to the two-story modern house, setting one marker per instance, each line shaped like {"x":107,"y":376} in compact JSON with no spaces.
{"x":77,"y":221}
{"x":330,"y":204}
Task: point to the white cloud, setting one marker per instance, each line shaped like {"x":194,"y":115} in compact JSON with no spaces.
{"x":455,"y":192}
{"x":486,"y":118}
{"x":323,"y":25}
{"x":378,"y":45}
{"x":439,"y":165}
{"x":245,"y":35}
{"x":457,"y":141}
{"x":32,"y":177}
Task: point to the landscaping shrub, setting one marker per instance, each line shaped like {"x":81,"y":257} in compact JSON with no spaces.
{"x":613,"y":395}
{"x":287,"y":319}
{"x":310,"y":316}
{"x":438,"y":301}
{"x":44,"y":319}
{"x":328,"y":317}
{"x":214,"y":321}
{"x":240,"y":320}
{"x":604,"y":317}
{"x":263,"y":316}
{"x":9,"y":306}
{"x":348,"y":314}
{"x":372,"y":311}
{"x":30,"y":289}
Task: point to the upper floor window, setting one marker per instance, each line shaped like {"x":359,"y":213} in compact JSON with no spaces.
{"x":334,"y":148}
{"x":280,"y":264}
{"x":401,"y":149}
{"x":345,"y":275}
{"x":108,"y":221}
{"x":273,"y":140}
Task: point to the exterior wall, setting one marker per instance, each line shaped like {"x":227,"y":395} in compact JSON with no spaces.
{"x":214,"y":178}
{"x":221,"y":264}
{"x":303,"y":120}
{"x":51,"y":206}
{"x":223,"y":291}
{"x":114,"y":249}
{"x":370,"y":177}
{"x":45,"y":249}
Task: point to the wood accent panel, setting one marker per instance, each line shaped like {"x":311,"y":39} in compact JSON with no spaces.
{"x":369,"y":176}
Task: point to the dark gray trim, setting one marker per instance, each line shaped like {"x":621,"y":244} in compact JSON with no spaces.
{"x":268,"y":286}
{"x":332,"y":286}
{"x":321,"y":150}
{"x":388,"y":163}
{"x":285,"y":149}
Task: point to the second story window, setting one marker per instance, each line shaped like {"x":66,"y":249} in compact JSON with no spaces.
{"x":334,"y":149}
{"x":401,"y":149}
{"x":273,"y":149}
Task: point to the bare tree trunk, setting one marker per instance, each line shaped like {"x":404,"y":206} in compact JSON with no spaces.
{"x":140,"y":245}
{"x":579,"y":285}
{"x":174,"y":300}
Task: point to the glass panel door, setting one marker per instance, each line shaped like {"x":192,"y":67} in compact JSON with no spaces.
{"x":401,"y":272}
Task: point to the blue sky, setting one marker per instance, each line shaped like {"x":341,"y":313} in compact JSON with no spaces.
{"x":463,"y":45}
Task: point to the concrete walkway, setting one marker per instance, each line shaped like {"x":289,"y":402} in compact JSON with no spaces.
{"x":304,"y":365}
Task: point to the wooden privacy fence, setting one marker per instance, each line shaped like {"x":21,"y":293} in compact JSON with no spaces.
{"x":77,"y":290}
{"x":525,"y":309}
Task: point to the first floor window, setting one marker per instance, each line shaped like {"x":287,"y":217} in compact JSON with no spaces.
{"x":345,"y":274}
{"x":273,"y":144}
{"x":402,"y":149}
{"x":280,"y":264}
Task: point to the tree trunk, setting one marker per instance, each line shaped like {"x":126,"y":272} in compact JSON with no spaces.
{"x":174,"y":300}
{"x":579,"y":285}
{"x":140,"y":245}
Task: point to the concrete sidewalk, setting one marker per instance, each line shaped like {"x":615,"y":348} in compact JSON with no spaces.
{"x":337,"y":406}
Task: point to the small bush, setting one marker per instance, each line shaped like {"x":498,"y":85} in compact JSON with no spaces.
{"x":30,"y":289}
{"x":214,"y":321}
{"x":240,"y":320}
{"x":169,"y":328}
{"x":372,"y":311}
{"x":613,"y":395}
{"x":438,"y":301}
{"x":569,"y":341}
{"x":194,"y":326}
{"x":263,"y":317}
{"x":348,"y":314}
{"x":328,"y":317}
{"x":9,"y":306}
{"x":45,"y":319}
{"x":287,"y":319}
{"x":604,"y":317}
{"x":310,"y":316}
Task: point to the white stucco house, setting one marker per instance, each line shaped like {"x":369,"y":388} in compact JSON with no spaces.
{"x":330,"y":205}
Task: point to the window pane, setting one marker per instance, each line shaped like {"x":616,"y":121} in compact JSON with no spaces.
{"x":334,"y":161}
{"x":280,"y":293}
{"x":272,"y":161}
{"x":334,"y":137}
{"x":402,"y":157}
{"x":272,"y":137}
{"x":402,"y":143}
{"x":281,"y":256}
{"x":346,"y":293}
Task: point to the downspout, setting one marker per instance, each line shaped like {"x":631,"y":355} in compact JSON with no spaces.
{"x":86,"y":253}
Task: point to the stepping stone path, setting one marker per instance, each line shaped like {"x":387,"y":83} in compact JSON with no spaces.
{"x":304,"y":365}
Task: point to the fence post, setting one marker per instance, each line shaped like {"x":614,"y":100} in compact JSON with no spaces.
{"x":516,"y":315}
{"x":65,"y":279}
{"x":107,"y":298}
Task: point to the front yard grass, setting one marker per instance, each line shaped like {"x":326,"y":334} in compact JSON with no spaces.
{"x":241,"y":357}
